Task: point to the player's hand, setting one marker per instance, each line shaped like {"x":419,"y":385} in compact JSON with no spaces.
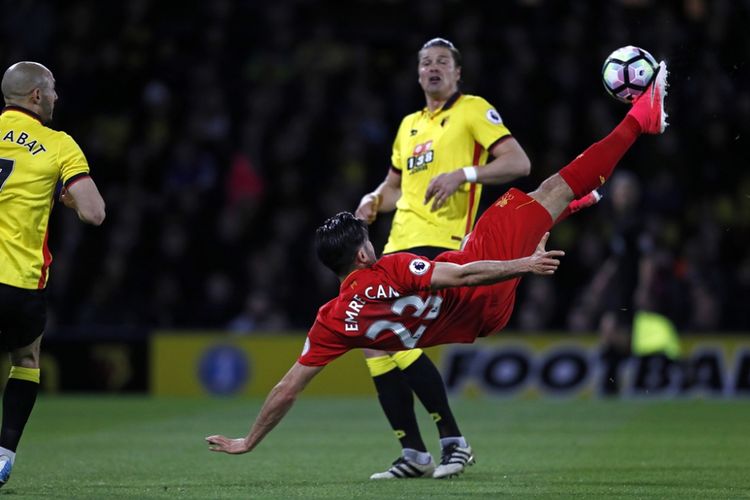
{"x":227,"y":445}
{"x":442,"y":187}
{"x":368,"y":207}
{"x":544,"y":262}
{"x":67,"y":199}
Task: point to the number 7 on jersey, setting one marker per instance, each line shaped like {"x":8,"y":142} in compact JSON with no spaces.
{"x":6,"y":167}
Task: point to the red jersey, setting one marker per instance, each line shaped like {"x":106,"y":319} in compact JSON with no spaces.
{"x":390,"y":306}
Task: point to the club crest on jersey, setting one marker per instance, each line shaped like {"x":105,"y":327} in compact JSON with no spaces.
{"x":494,"y":117}
{"x":504,"y":199}
{"x":419,"y":266}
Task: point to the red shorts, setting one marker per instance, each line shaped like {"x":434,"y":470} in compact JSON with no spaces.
{"x":510,"y":229}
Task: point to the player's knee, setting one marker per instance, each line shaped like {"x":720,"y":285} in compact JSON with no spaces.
{"x":25,"y":357}
{"x":553,"y":194}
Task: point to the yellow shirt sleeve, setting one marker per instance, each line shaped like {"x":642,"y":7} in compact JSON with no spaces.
{"x":71,"y":159}
{"x":485,"y":122}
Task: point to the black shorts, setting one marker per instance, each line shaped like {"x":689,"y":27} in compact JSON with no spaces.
{"x":23,"y":316}
{"x":427,"y":252}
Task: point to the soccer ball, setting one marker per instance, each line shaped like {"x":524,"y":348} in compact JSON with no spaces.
{"x":627,"y":72}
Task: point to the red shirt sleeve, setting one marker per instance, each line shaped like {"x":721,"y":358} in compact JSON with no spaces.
{"x":411,"y":272}
{"x":321,"y":346}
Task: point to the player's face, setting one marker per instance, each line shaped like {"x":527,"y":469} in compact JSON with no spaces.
{"x":438,"y":74}
{"x":48,"y":97}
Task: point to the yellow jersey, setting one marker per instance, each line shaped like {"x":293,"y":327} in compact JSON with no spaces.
{"x":459,"y":134}
{"x":33,"y":158}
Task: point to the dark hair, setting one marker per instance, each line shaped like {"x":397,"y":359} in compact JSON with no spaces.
{"x":442,"y":42}
{"x":338,"y":240}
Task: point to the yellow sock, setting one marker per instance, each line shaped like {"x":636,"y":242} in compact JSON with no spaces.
{"x":21,"y":373}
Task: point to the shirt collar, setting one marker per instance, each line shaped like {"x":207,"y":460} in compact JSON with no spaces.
{"x":24,"y":111}
{"x":451,"y":100}
{"x":448,"y":104}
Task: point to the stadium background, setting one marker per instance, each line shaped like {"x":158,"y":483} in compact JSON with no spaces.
{"x":222,"y":133}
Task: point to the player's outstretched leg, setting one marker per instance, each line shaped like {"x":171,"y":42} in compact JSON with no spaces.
{"x":595,"y":165}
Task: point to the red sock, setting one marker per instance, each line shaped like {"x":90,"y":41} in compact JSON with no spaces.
{"x":574,"y":206}
{"x":595,"y":165}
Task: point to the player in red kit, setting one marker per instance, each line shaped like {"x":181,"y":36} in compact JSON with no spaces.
{"x":404,"y":301}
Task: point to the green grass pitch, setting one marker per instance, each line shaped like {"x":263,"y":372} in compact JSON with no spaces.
{"x":131,"y":447}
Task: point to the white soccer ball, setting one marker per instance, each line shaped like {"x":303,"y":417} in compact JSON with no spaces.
{"x":627,"y":72}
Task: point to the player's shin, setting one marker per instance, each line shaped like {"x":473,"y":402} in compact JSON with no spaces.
{"x":397,"y":401}
{"x":426,"y":382}
{"x":595,"y":165}
{"x":18,"y":401}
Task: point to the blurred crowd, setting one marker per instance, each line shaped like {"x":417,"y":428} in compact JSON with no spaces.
{"x":222,"y":133}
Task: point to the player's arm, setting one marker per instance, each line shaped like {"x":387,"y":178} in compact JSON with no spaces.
{"x":488,"y":272}
{"x":277,"y":404}
{"x":383,"y":199}
{"x":510,"y":162}
{"x":83,"y":197}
